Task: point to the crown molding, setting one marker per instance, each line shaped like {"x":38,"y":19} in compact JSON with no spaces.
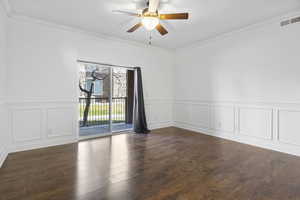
{"x":222,"y":36}
{"x":198,"y":43}
{"x":23,"y":17}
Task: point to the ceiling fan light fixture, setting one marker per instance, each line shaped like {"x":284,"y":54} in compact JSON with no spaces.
{"x":150,"y":22}
{"x":150,"y":17}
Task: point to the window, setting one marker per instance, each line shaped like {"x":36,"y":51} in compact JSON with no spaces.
{"x":88,"y":84}
{"x":98,"y":87}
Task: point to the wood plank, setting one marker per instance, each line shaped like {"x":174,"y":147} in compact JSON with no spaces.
{"x":169,"y":163}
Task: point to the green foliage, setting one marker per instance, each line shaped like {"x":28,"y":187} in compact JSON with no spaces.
{"x":103,"y":109}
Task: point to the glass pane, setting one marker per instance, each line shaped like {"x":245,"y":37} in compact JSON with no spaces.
{"x":94,"y":105}
{"x":121,"y":100}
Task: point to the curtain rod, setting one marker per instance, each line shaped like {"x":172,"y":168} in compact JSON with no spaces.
{"x":105,"y":64}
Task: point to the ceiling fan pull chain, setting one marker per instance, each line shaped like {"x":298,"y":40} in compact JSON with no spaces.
{"x":150,"y":38}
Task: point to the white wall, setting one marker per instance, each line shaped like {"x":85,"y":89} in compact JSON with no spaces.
{"x":43,"y":80}
{"x":4,"y":136}
{"x":244,"y":86}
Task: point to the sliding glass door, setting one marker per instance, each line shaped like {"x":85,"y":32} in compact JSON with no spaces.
{"x":105,"y":99}
{"x":122,"y":99}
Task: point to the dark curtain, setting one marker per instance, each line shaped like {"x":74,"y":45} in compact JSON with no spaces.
{"x":139,"y":115}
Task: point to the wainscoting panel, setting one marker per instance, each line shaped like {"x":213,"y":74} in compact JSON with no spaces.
{"x":4,"y":137}
{"x":159,"y":113}
{"x":165,"y":112}
{"x":289,"y":127}
{"x":269,"y":125}
{"x":199,"y":114}
{"x":149,"y":114}
{"x":255,"y":122}
{"x":3,"y":155}
{"x":26,"y":124}
{"x":60,"y":122}
{"x":182,"y":114}
{"x":37,"y":124}
{"x":223,"y":118}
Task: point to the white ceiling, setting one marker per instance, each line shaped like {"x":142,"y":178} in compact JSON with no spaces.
{"x":208,"y":18}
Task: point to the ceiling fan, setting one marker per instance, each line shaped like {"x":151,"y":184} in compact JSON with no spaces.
{"x":150,"y":17}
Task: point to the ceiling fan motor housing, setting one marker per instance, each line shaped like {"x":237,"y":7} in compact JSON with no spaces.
{"x":146,"y":13}
{"x":150,"y":17}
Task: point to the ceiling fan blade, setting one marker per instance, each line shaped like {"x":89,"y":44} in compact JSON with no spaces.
{"x":153,"y":5}
{"x":135,"y":27}
{"x":161,"y":29}
{"x":128,"y":21}
{"x":174,"y":16}
{"x":126,"y":12}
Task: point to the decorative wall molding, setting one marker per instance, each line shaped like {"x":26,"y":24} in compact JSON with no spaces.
{"x":42,"y":144}
{"x":13,"y":15}
{"x":54,"y":122}
{"x":261,"y":104}
{"x":159,"y":100}
{"x":270,"y":126}
{"x":159,"y":125}
{"x":288,"y":126}
{"x":21,"y":101}
{"x":159,"y":113}
{"x":26,"y":120}
{"x":222,"y":118}
{"x":272,"y":130}
{"x":37,"y":124}
{"x":2,"y":102}
{"x":18,"y":16}
{"x":12,"y":101}
{"x":200,"y":115}
{"x":3,"y":155}
{"x":222,"y":36}
{"x":4,"y":126}
{"x":258,"y":122}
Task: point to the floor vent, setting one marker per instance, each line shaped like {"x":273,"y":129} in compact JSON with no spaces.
{"x":290,"y":21}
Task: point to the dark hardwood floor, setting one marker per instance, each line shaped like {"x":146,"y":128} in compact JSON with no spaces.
{"x":169,"y":164}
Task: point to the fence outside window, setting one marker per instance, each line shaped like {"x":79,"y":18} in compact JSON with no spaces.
{"x":99,"y":111}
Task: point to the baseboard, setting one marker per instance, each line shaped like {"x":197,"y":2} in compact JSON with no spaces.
{"x":43,"y":144}
{"x":3,"y":155}
{"x":159,"y":125}
{"x":39,"y":145}
{"x":266,"y":144}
